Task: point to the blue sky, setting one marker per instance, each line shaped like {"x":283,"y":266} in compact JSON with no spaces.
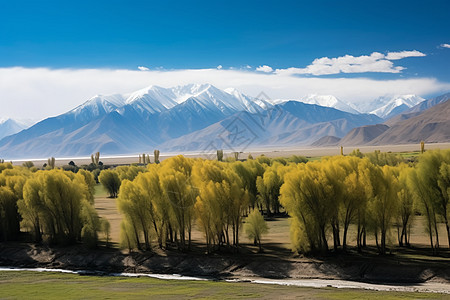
{"x":184,"y":35}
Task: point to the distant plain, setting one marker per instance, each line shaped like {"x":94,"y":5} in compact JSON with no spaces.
{"x":313,"y":152}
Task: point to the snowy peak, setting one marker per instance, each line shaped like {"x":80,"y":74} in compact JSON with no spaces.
{"x":98,"y":105}
{"x":387,"y":107}
{"x":152,"y":99}
{"x":227,"y":101}
{"x":252,"y":104}
{"x":212,"y":98}
{"x":322,"y":100}
{"x":184,"y":92}
{"x":329,"y":101}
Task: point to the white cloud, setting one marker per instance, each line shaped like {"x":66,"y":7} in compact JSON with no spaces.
{"x":265,"y":69}
{"x":404,"y":54}
{"x":219,"y":67}
{"x":445,"y":45}
{"x":143,"y":68}
{"x":375,"y":62}
{"x":40,"y":92}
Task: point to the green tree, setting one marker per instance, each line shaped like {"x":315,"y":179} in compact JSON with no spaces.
{"x":381,"y":189}
{"x":87,"y":178}
{"x":95,"y":158}
{"x":28,"y":164}
{"x":156,"y":155}
{"x":51,"y":163}
{"x":110,"y":181}
{"x":304,"y":194}
{"x":32,"y":208}
{"x":268,"y":187}
{"x":105,"y":227}
{"x":255,"y":227}
{"x":430,"y":185}
{"x":219,"y":155}
{"x":129,"y":172}
{"x":9,"y":218}
{"x":136,"y":208}
{"x":12,"y":181}
{"x":221,"y":202}
{"x":175,"y":179}
{"x":405,"y":211}
{"x":150,"y":184}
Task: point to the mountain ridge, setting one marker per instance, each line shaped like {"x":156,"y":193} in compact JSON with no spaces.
{"x":193,"y":117}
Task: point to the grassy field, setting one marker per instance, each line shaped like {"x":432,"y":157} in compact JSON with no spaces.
{"x":33,"y":285}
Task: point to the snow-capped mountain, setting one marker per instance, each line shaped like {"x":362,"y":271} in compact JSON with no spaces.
{"x":97,"y":106}
{"x":329,"y":101}
{"x":165,"y":117}
{"x":389,"y":106}
{"x":323,"y":100}
{"x":152,"y":99}
{"x":10,"y":126}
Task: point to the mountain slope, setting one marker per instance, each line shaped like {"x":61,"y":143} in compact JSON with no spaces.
{"x":416,"y":110}
{"x":9,"y":127}
{"x":431,"y":126}
{"x":389,"y":106}
{"x":327,"y":140}
{"x":362,"y":135}
{"x":312,"y":113}
{"x":397,"y":105}
{"x":290,"y":123}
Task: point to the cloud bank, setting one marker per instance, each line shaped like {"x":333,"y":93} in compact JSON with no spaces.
{"x":39,"y":92}
{"x":375,"y":62}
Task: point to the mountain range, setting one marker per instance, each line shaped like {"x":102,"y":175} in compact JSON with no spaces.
{"x":384,"y":107}
{"x":189,"y":118}
{"x":195,"y":117}
{"x":427,"y":121}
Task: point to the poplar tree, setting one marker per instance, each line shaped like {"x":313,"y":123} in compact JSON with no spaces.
{"x":110,"y":181}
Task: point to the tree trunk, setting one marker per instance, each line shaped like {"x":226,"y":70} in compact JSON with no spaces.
{"x":324,"y":240}
{"x":436,"y":232}
{"x":376,"y":240}
{"x":383,"y":241}
{"x":358,"y":238}
{"x":344,"y":239}
{"x":37,"y":231}
{"x":364,"y":237}
{"x":448,"y":229}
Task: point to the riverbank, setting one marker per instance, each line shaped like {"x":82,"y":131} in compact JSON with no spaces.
{"x":396,"y":272}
